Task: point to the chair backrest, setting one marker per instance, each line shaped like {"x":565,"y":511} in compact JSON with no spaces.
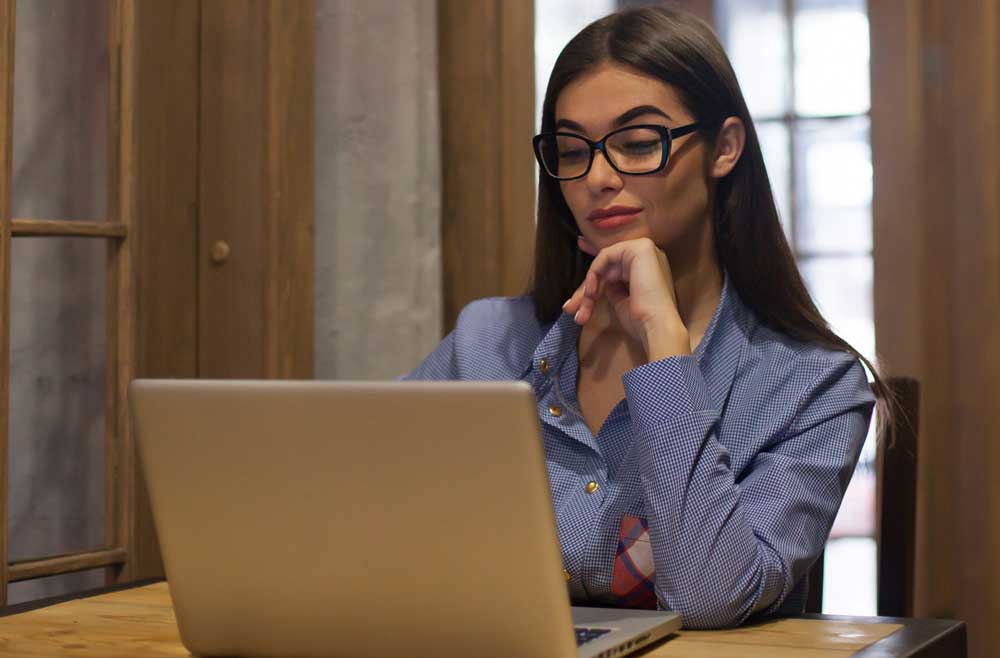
{"x":896,"y":467}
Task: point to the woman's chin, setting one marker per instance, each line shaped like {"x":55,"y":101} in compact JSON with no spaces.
{"x":604,"y":240}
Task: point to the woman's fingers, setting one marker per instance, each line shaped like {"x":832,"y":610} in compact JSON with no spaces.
{"x":608,"y":268}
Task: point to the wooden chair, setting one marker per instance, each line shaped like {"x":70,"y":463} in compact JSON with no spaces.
{"x":896,"y":465}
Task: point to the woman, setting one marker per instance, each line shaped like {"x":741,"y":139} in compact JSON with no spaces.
{"x":700,"y":420}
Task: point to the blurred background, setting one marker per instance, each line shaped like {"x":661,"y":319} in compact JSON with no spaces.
{"x":314,"y":188}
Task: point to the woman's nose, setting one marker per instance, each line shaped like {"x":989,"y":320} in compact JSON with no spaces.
{"x":602,"y":175}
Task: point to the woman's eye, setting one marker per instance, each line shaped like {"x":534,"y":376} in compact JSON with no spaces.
{"x":642,"y":147}
{"x":572,"y":155}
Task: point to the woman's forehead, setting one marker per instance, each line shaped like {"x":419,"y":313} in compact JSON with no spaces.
{"x":598,"y":97}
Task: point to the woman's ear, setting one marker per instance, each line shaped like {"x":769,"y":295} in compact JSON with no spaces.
{"x":728,"y":147}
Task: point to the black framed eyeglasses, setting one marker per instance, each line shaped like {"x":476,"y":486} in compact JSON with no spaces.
{"x":633,"y":150}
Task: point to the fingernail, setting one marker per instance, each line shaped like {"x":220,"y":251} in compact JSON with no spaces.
{"x":576,"y":316}
{"x":566,"y":303}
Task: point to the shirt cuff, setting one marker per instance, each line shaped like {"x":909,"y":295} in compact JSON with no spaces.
{"x":666,"y":388}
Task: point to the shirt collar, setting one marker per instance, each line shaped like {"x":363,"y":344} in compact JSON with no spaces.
{"x":718,"y":352}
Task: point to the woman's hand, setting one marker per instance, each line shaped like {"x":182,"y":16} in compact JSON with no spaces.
{"x":634,"y":276}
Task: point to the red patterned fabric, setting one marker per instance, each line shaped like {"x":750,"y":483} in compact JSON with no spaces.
{"x":633,"y":575}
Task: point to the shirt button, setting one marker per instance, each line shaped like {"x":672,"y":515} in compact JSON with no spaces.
{"x":555,"y":410}
{"x":566,"y":575}
{"x":591,"y":487}
{"x":543,"y":366}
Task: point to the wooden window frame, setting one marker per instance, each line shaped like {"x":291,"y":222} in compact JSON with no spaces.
{"x":120,"y":322}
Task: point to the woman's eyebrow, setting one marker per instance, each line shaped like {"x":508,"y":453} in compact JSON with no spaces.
{"x":638,"y":112}
{"x":621,"y":120}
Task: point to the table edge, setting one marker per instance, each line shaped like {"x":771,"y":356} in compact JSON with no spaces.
{"x":918,"y":637}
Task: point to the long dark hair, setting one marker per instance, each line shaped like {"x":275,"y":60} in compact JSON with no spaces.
{"x":683,"y":51}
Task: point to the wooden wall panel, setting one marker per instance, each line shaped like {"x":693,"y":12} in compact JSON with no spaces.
{"x":232,"y":189}
{"x":291,"y":206}
{"x":256,"y":189}
{"x":486,"y":72}
{"x":936,"y":147}
{"x":6,"y":165}
{"x":167,"y":229}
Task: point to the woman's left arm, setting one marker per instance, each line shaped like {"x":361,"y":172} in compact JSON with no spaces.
{"x":725,"y":550}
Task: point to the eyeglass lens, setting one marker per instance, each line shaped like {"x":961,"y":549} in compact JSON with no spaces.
{"x":633,"y":151}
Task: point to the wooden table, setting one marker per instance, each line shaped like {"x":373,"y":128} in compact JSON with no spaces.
{"x":137,"y":621}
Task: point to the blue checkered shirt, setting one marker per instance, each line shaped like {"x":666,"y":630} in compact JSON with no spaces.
{"x":737,"y":456}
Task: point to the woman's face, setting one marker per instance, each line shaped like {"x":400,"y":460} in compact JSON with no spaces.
{"x":670,"y":207}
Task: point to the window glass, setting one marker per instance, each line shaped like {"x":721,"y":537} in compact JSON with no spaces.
{"x":833,"y":186}
{"x":842,"y":289}
{"x":61,"y":78}
{"x":831,"y":57}
{"x":755,"y":33}
{"x":556,"y":22}
{"x":773,"y":136}
{"x":57,"y":396}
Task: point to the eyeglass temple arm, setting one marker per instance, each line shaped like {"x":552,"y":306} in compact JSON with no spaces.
{"x":684,"y":130}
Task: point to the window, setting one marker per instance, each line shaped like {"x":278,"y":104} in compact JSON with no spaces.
{"x":66,"y":338}
{"x":803,"y":68}
{"x":556,"y":22}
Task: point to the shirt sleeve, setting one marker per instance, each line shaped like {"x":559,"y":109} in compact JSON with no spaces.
{"x":726,"y":551}
{"x":441,"y":364}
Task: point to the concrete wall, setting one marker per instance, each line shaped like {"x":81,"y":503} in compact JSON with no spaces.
{"x":378,"y":262}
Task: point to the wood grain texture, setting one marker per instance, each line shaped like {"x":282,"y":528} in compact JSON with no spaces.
{"x":255,"y":189}
{"x":6,"y":141}
{"x":121,"y":454}
{"x":64,"y":228}
{"x":936,"y":144}
{"x":289,"y":305}
{"x":233,"y":188}
{"x":140,"y":623}
{"x":166,"y":228}
{"x":30,"y":569}
{"x":516,"y":117}
{"x":487,"y":119}
{"x":896,"y":506}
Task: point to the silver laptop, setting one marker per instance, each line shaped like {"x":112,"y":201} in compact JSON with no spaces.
{"x":319,"y":519}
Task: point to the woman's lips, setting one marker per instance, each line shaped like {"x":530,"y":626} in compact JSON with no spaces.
{"x":611,"y":222}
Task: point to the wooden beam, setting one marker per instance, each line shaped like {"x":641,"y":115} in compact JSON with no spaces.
{"x":936,"y":148}
{"x":120,"y":456}
{"x":167,"y":54}
{"x":487,"y":95}
{"x":289,"y":308}
{"x":62,"y":228}
{"x":53,"y":566}
{"x":6,"y":166}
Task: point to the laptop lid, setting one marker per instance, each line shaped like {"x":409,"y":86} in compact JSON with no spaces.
{"x":357,"y":519}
